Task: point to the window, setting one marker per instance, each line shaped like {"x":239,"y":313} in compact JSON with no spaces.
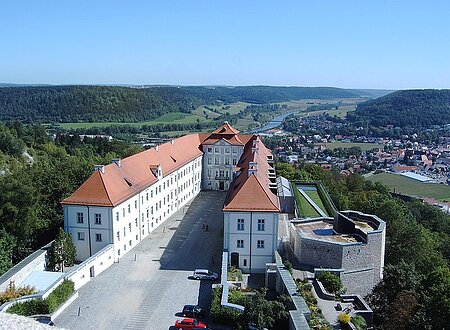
{"x":129,"y":226}
{"x":159,"y":188}
{"x":137,"y":237}
{"x":118,"y":236}
{"x":209,"y":149}
{"x":260,"y":244}
{"x":124,"y":232}
{"x":216,"y":161}
{"x":147,"y":214}
{"x":216,"y":150}
{"x":227,"y":161}
{"x":245,"y":262}
{"x":117,"y":216}
{"x":81,"y":236}
{"x":260,"y":224}
{"x":234,"y":161}
{"x":234,"y":151}
{"x":129,"y":242}
{"x":129,"y":208}
{"x":80,"y":217}
{"x":209,"y":161}
{"x":98,"y":237}
{"x":123,"y":211}
{"x":135,"y":204}
{"x":151,"y":193}
{"x":227,"y":150}
{"x":98,"y":219}
{"x":240,"y":243}
{"x":146,"y":196}
{"x":240,"y":224}
{"x":135,"y":221}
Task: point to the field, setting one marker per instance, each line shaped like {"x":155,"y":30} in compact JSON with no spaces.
{"x":407,"y":186}
{"x":171,"y":117}
{"x":343,"y":145}
{"x":206,"y":113}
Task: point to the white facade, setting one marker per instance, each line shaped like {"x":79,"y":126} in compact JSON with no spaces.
{"x":125,"y":225}
{"x":250,"y":239}
{"x":219,"y":161}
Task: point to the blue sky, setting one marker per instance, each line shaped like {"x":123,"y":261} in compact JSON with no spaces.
{"x":354,"y":44}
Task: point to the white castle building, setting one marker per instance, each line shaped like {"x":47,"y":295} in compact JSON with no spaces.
{"x":123,"y":202}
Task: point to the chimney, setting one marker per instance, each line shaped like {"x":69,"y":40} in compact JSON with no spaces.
{"x":172,"y":142}
{"x":157,"y":148}
{"x":117,"y":161}
{"x":100,"y":168}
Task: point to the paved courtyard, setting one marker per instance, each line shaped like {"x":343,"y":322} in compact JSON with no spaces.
{"x":150,"y":284}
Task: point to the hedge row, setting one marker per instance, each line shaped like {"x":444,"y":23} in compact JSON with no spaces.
{"x":45,"y":306}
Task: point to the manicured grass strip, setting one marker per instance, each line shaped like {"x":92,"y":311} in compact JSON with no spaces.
{"x":314,"y":195}
{"x":407,"y":186}
{"x":304,"y":209}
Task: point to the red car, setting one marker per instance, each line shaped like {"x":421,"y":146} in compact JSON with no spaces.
{"x":189,"y":324}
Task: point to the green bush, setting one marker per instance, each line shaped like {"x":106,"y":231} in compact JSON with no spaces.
{"x":60,"y":295}
{"x":331,"y":282}
{"x":46,"y":306}
{"x":359,"y":322}
{"x":222,"y":315}
{"x":30,"y":307}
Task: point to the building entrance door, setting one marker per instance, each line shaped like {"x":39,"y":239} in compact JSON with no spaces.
{"x":235,"y":259}
{"x":221,"y":185}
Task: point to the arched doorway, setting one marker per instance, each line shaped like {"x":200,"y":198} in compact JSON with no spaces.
{"x":235,"y":259}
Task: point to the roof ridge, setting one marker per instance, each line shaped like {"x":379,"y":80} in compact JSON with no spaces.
{"x":104,"y":187}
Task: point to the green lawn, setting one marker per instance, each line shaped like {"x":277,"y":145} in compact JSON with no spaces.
{"x":407,"y":186}
{"x":314,"y":195}
{"x":171,"y":117}
{"x":363,"y":146}
{"x":304,"y":209}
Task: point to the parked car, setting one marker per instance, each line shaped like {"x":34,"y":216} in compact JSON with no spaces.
{"x":193,"y":311}
{"x":204,"y":274}
{"x":189,"y":324}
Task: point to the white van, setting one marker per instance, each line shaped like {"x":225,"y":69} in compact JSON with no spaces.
{"x":204,"y":274}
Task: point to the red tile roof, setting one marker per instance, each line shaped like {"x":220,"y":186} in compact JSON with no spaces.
{"x":250,"y":191}
{"x":117,"y":184}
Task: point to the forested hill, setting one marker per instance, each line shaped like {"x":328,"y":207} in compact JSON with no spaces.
{"x":91,"y":103}
{"x":131,"y":104}
{"x":417,"y":108}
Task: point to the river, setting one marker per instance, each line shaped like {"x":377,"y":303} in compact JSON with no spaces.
{"x":275,"y":122}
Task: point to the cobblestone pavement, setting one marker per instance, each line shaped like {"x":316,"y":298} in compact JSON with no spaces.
{"x":150,"y":284}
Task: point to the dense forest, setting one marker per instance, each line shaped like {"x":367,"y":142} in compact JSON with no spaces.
{"x":36,"y":173}
{"x":415,"y":108}
{"x":130,"y":104}
{"x":415,"y":290}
